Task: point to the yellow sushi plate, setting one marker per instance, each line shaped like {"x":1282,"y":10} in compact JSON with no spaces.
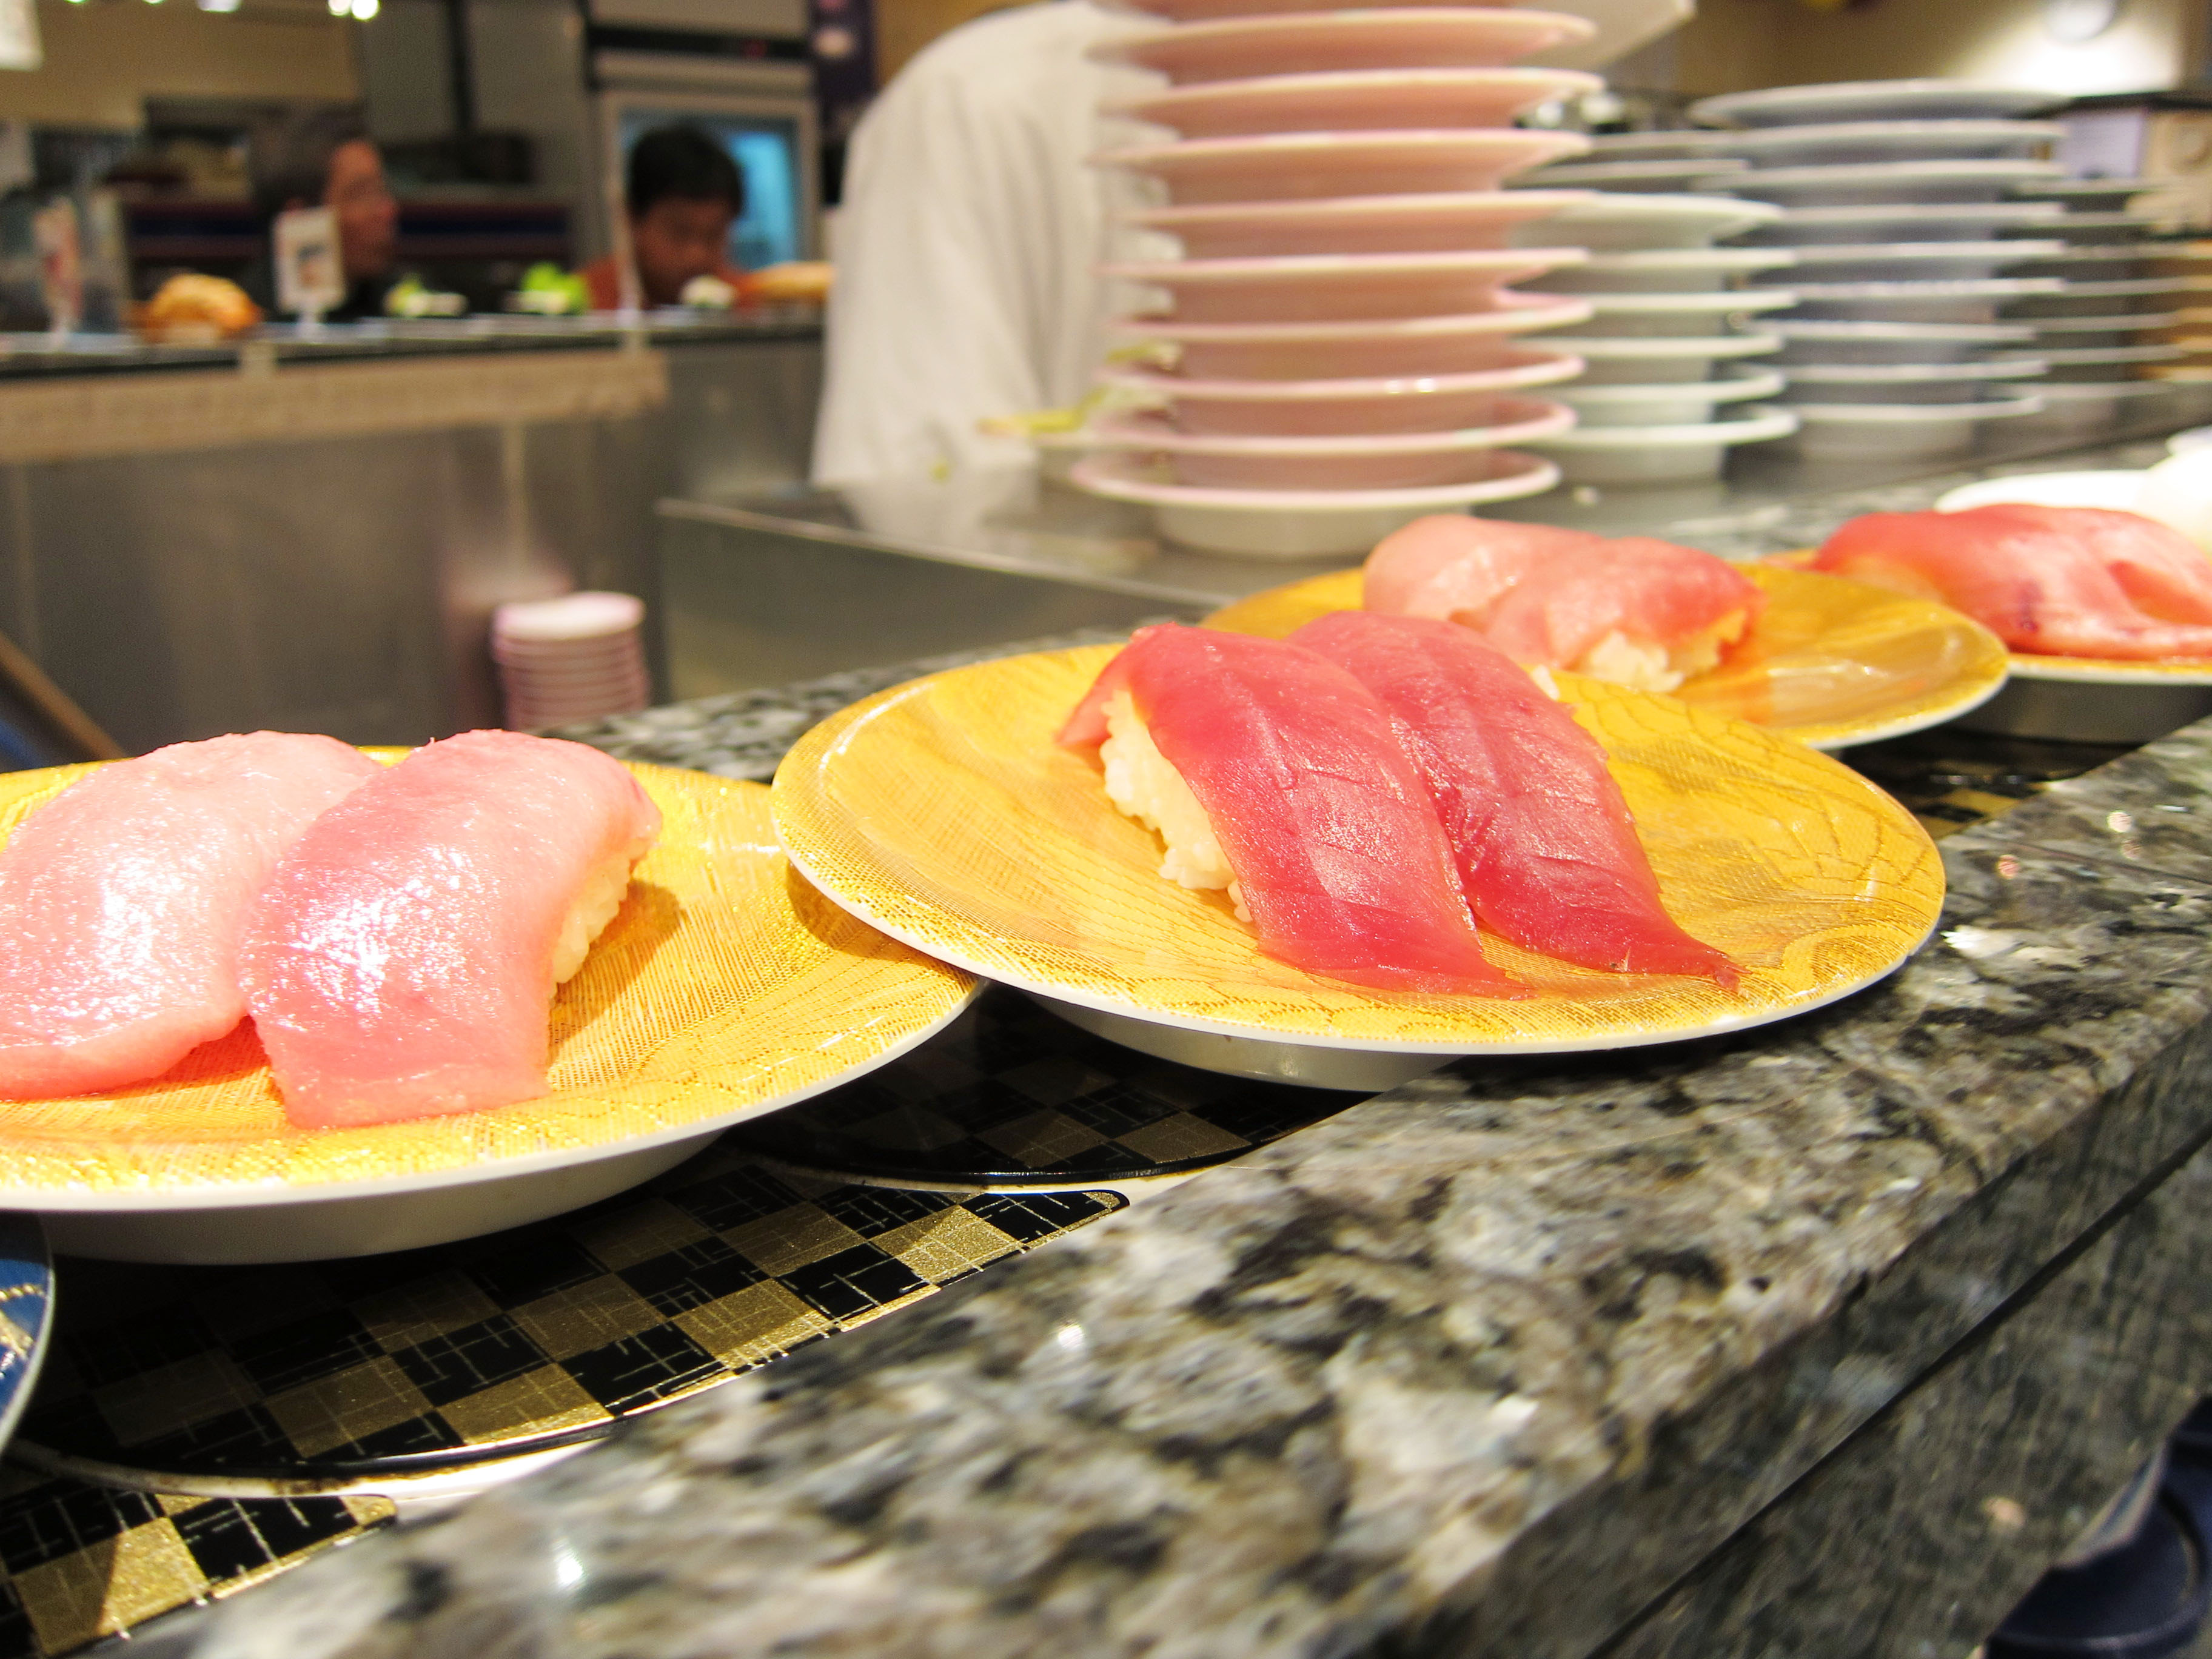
{"x":943,"y":813}
{"x":2027,"y":665}
{"x":725,"y":986}
{"x":1830,"y":663}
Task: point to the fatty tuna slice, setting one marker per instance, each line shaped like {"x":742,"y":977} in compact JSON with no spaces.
{"x":1455,"y":569}
{"x":1547,"y":850}
{"x":122,"y":901}
{"x":2057,"y":581}
{"x":1323,"y":821}
{"x":402,"y":962}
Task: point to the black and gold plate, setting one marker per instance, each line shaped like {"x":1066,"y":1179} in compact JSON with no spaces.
{"x":1009,"y":1096}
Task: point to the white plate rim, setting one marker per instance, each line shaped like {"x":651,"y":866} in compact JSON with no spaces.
{"x":1261,"y":88}
{"x":1723,"y":110}
{"x":1718,"y":347}
{"x":1760,"y":424}
{"x":1728,"y":388}
{"x":1442,"y":204}
{"x":1304,"y":267}
{"x":1987,"y":409}
{"x":1549,"y":368}
{"x":1516,"y":317}
{"x":1094,"y":474}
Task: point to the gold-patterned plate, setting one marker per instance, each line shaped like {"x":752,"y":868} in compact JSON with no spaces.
{"x":943,"y":812}
{"x":725,"y":988}
{"x":1830,"y":663}
{"x":2024,"y":665}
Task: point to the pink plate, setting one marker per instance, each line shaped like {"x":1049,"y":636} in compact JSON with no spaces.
{"x":1461,"y":345}
{"x":1361,"y":101}
{"x":1202,"y":11}
{"x":1320,"y":42}
{"x":1401,"y":460}
{"x":1332,"y":288}
{"x":1293,"y":165}
{"x":1293,"y":409}
{"x":1449,"y":222}
{"x":1482,"y":475}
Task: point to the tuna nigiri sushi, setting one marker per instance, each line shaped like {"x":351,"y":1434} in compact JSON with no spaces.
{"x":402,"y":960}
{"x":1275,"y":774}
{"x":1635,"y":611}
{"x":1547,"y":853}
{"x":123,"y":899}
{"x":2066,"y":581}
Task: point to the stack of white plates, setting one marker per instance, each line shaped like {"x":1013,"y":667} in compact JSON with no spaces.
{"x":1672,"y":384}
{"x":577,"y":657}
{"x":1898,"y":198}
{"x":2103,"y":336}
{"x":1343,"y":319}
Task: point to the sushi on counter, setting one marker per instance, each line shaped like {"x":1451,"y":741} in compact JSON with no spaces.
{"x":396,"y":933}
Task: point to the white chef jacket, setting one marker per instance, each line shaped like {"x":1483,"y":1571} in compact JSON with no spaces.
{"x":968,"y":242}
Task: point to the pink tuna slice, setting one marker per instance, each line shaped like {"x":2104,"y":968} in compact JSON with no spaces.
{"x":1320,"y":813}
{"x":400,"y":963}
{"x":1639,"y":586}
{"x":2061,"y":581}
{"x":1548,"y":854}
{"x":1455,"y":569}
{"x":122,"y":901}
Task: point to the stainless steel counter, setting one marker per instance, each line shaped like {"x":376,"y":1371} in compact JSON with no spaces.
{"x":759,"y":589}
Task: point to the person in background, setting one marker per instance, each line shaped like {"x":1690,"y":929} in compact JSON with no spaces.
{"x":325,"y":159}
{"x":682,"y":192}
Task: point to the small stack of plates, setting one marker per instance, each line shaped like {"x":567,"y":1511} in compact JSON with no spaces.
{"x":1671,"y":383}
{"x":577,"y":657}
{"x":2102,"y":336}
{"x":1896,"y":196}
{"x":1344,"y":327}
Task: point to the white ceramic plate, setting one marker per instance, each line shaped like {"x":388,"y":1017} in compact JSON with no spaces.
{"x":1338,"y":463}
{"x":1897,"y":432}
{"x":1675,"y":144}
{"x":1662,"y":178}
{"x":2113,"y":490}
{"x":2071,"y":190}
{"x":1660,"y":271}
{"x":1925,"y":99}
{"x":1901,"y":383}
{"x":2098,"y":356}
{"x":1669,"y":454}
{"x":1838,"y":142}
{"x":2113,"y":323}
{"x":1443,"y":223}
{"x":1654,"y":358}
{"x":1827,"y":342}
{"x":1680,"y":403}
{"x":1356,"y":100}
{"x":1628,"y":315}
{"x":1971,"y":301}
{"x":1926,"y":182}
{"x":1906,"y":222}
{"x":1622,"y":223}
{"x":1856,"y":261}
{"x":1329,"y":42}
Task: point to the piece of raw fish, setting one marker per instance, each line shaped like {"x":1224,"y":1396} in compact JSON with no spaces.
{"x":1634,"y":610}
{"x":1547,"y":851}
{"x":402,"y":960}
{"x":2056,"y":580}
{"x":1276,"y":774}
{"x":122,"y":901}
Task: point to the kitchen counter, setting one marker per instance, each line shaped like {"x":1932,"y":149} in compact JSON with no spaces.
{"x":1821,"y":1340}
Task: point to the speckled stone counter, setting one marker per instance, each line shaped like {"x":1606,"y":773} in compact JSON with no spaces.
{"x":1821,"y":1340}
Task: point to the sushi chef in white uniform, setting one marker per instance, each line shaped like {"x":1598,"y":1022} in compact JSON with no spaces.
{"x":971,"y":227}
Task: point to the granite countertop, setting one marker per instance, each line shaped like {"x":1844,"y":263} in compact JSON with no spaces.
{"x":1483,"y":1365}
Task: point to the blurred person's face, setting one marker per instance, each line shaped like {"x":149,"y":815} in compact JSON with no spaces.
{"x":676,"y":239}
{"x":368,"y":219}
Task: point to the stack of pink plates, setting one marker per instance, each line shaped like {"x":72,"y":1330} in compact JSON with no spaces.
{"x":1349,"y":349}
{"x":577,"y":657}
